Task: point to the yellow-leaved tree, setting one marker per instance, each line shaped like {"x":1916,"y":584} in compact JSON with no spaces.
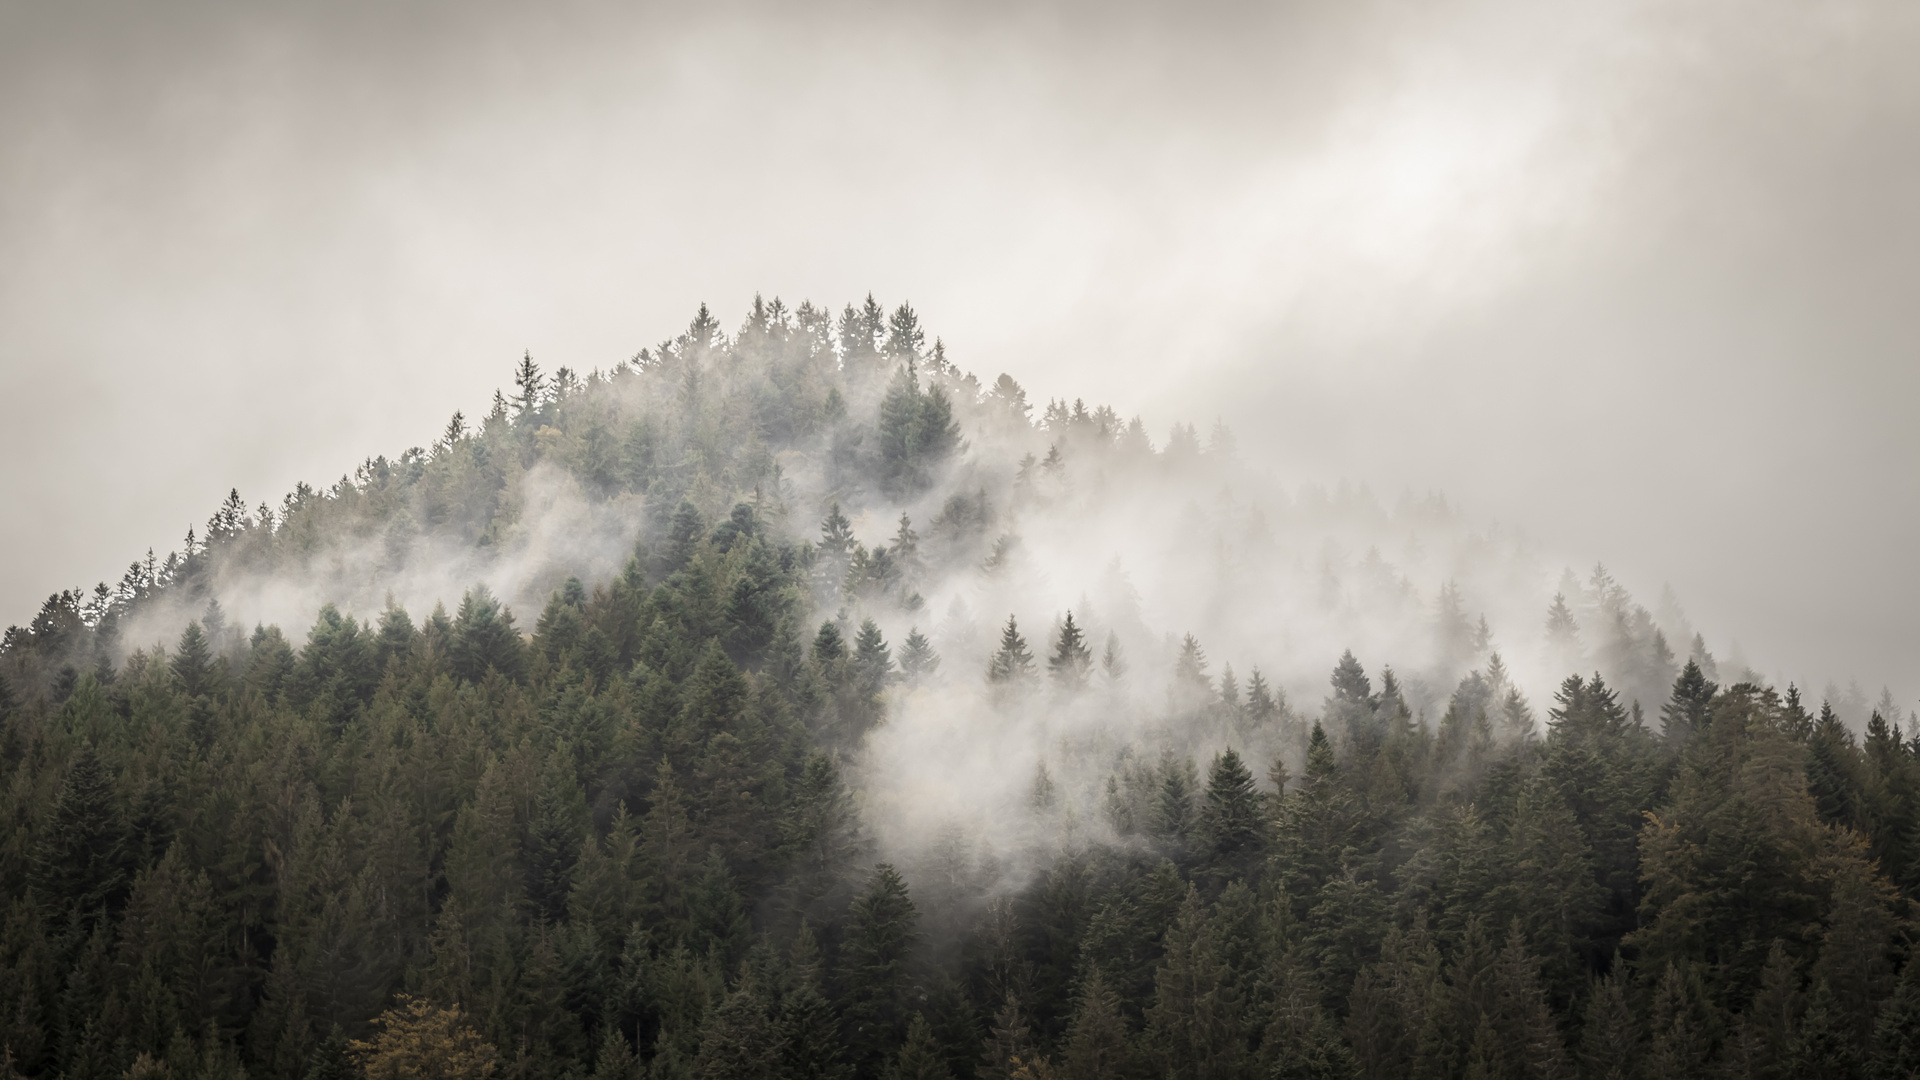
{"x":419,"y":1040}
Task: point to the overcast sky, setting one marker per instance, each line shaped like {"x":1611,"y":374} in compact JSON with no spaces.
{"x":1640,"y":279}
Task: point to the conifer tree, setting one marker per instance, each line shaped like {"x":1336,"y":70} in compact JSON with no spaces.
{"x":1113,"y":663}
{"x":1012,"y":664}
{"x":1070,"y":663}
{"x":530,"y":386}
{"x":1097,"y":1043}
{"x":872,"y":657}
{"x":1196,"y":1016}
{"x":1563,"y":634}
{"x":1610,"y":1039}
{"x":1191,"y":687}
{"x":1895,"y":1050}
{"x":1681,"y":1038}
{"x":193,"y":663}
{"x":80,"y":861}
{"x":919,"y":1057}
{"x":876,"y":967}
{"x":483,"y":639}
{"x":918,"y":661}
{"x":808,"y":1032}
{"x":1689,"y":707}
{"x":1009,"y":1043}
{"x":739,"y":1040}
{"x":1230,"y":817}
{"x":905,"y":339}
{"x":1822,"y":1047}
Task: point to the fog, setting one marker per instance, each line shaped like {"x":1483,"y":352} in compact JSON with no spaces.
{"x":1632,"y":285}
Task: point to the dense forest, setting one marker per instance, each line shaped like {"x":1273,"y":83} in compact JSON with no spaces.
{"x":755,"y":793}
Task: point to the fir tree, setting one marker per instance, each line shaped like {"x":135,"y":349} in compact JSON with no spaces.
{"x":1230,"y":817}
{"x":876,"y":974}
{"x":1097,"y":1043}
{"x":1011,"y":664}
{"x":1688,"y":709}
{"x":484,"y":640}
{"x":1070,"y":663}
{"x":919,"y":1057}
{"x":80,"y":862}
{"x":918,"y":661}
{"x":530,"y":386}
{"x":1195,"y":1016}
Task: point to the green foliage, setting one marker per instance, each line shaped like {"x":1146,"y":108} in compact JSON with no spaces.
{"x":637,"y":841}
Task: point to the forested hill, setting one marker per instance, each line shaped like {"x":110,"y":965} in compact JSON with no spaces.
{"x":870,"y":726}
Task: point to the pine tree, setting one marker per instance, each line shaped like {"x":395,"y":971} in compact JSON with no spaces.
{"x":1071,"y":662}
{"x":1563,"y":634}
{"x":1610,"y":1039}
{"x":919,"y":1057}
{"x":193,"y":663}
{"x":905,"y":339}
{"x":876,"y":960}
{"x":1822,"y":1047}
{"x":484,"y":639}
{"x":531,"y":387}
{"x":900,"y":434}
{"x":1097,"y":1043}
{"x":739,"y":1040}
{"x":1171,"y":821}
{"x":1230,"y":817}
{"x":1688,"y":709}
{"x":1196,"y":1016}
{"x":615,"y":1059}
{"x":1526,"y":1039}
{"x":1008,"y":1044}
{"x":1191,"y":687}
{"x":80,"y":864}
{"x":1113,"y":663}
{"x":1681,"y":1037}
{"x":918,"y":661}
{"x":1012,"y":664}
{"x":872,"y":657}
{"x":1895,"y":1050}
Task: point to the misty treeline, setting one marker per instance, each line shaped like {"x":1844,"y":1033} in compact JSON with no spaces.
{"x":665,"y":830}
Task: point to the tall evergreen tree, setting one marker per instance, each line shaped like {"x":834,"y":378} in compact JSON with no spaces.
{"x":876,"y":968}
{"x":1070,"y":663}
{"x":1012,"y":664}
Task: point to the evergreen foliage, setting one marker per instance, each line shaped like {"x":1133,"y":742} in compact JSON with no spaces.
{"x":633,"y":840}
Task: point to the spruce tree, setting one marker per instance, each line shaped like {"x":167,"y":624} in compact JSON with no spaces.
{"x":919,"y":1057}
{"x":876,"y":968}
{"x":80,"y":861}
{"x":1895,"y":1051}
{"x":1012,"y":664}
{"x":1098,"y":1046}
{"x":1009,"y":1045}
{"x":1823,"y":1046}
{"x":1610,"y":1045}
{"x":1230,"y":817}
{"x":1195,"y":1018}
{"x":484,"y":639}
{"x":1113,"y":664}
{"x":1688,"y":709}
{"x":872,"y":657}
{"x":1070,"y":663}
{"x":1191,"y":687}
{"x":739,"y":1040}
{"x":905,"y":339}
{"x":918,"y":661}
{"x":193,"y":663}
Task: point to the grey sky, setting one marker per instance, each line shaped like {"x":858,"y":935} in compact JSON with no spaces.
{"x":1638,"y":278}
